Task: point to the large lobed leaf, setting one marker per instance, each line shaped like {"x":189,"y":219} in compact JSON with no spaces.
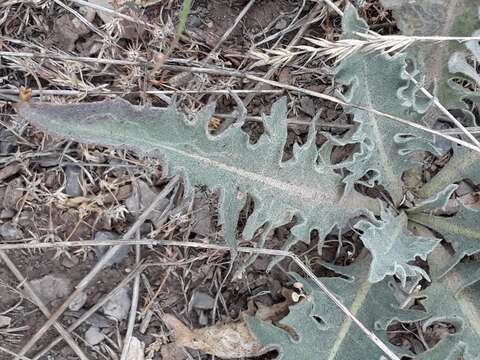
{"x":324,"y":333}
{"x":227,"y":162}
{"x":378,"y":81}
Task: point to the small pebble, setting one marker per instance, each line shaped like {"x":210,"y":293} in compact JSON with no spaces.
{"x":78,"y":302}
{"x":202,"y":301}
{"x":70,"y":262}
{"x":72,"y":181}
{"x":51,"y":287}
{"x":8,"y":231}
{"x":7,"y":214}
{"x":94,"y":336}
{"x":281,"y":24}
{"x":118,"y":306}
{"x":5,"y":321}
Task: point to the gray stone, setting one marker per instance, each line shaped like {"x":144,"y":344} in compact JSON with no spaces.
{"x":72,"y":181}
{"x":141,"y":197}
{"x":5,"y":321}
{"x":118,"y":306}
{"x":9,"y":232}
{"x":202,"y":216}
{"x":121,"y":254}
{"x":70,"y":262}
{"x":78,"y":302}
{"x":94,"y":336}
{"x":51,"y":287}
{"x":7,"y":214}
{"x":202,"y":301}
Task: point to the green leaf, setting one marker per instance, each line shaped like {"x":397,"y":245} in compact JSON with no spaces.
{"x":452,"y":299}
{"x":435,"y":202}
{"x":378,"y":81}
{"x":464,"y":164}
{"x":323,"y":332}
{"x":437,"y":18}
{"x":461,"y":230}
{"x":227,"y":162}
{"x":460,"y":67}
{"x":393,"y":246}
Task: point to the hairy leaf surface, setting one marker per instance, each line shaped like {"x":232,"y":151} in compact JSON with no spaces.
{"x":378,"y":81}
{"x":458,"y":65}
{"x":464,"y":164}
{"x":437,"y":18}
{"x":393,"y":246}
{"x":227,"y":162}
{"x":453,"y":299}
{"x":323,"y":332}
{"x":461,"y":230}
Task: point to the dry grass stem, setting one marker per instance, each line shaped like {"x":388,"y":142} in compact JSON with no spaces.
{"x":342,"y":49}
{"x":38,"y":302}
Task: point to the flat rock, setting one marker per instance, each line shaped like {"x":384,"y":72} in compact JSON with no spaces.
{"x":202,"y":301}
{"x":72,"y":181}
{"x":121,"y":254}
{"x":5,"y":321}
{"x":94,"y":336}
{"x":51,"y":287}
{"x":141,"y":197}
{"x":9,"y":232}
{"x":78,"y":302}
{"x":118,"y":306}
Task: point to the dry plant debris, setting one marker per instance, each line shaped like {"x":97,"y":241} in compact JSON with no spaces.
{"x":150,"y":209}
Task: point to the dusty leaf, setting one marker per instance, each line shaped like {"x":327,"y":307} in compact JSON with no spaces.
{"x":393,"y":246}
{"x":228,"y":162}
{"x":437,"y":18}
{"x":321,"y":331}
{"x":379,"y":82}
{"x":453,"y":299}
{"x":462,"y":230}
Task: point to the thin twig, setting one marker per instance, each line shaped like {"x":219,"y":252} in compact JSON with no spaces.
{"x":9,"y":352}
{"x":112,"y":12}
{"x":298,"y":36}
{"x":37,"y":301}
{"x":98,"y":267}
{"x":82,"y":19}
{"x":152,"y":92}
{"x":272,"y":252}
{"x":234,"y":25}
{"x":93,"y":309}
{"x":135,"y":298}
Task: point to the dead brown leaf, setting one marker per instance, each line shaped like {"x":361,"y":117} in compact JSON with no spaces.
{"x":229,"y":341}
